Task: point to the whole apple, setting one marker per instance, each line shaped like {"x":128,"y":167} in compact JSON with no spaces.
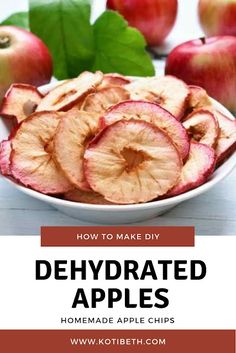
{"x":209,"y":63}
{"x":154,"y":18}
{"x":217,"y":17}
{"x":23,"y":58}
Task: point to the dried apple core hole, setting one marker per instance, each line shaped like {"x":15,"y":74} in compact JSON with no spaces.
{"x":153,"y":97}
{"x":88,"y":139}
{"x":133,"y":158}
{"x":196,"y":132}
{"x":64,"y":96}
{"x":49,"y":147}
{"x":29,"y":107}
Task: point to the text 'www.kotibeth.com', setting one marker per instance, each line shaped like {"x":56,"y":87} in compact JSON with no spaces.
{"x":117,"y":341}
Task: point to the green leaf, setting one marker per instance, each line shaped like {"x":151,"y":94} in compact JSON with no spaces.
{"x":19,"y":19}
{"x":64,"y":26}
{"x":119,"y":48}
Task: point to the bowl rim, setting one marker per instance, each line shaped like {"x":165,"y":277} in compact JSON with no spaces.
{"x":216,"y":177}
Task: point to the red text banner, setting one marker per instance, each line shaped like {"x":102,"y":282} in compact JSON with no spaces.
{"x":127,"y":341}
{"x":117,"y":236}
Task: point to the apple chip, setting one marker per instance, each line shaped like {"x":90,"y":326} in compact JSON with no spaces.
{"x":20,"y":101}
{"x":152,"y":113}
{"x":197,"y":169}
{"x":198,"y":98}
{"x":32,"y":161}
{"x":71,"y":92}
{"x":202,"y":127}
{"x":82,"y":196}
{"x":74,"y":132}
{"x":132,"y":162}
{"x":5,"y":152}
{"x":226,"y":143}
{"x":103,"y":99}
{"x":114,"y":80}
{"x":167,"y":91}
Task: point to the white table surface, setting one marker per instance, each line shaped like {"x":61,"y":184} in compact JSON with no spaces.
{"x":213,"y":213}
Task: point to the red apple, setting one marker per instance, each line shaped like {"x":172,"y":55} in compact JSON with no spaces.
{"x":218,"y":17}
{"x":23,"y":58}
{"x":154,"y":18}
{"x":209,"y":63}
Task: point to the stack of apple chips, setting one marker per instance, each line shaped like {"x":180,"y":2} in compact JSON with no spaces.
{"x":106,"y":139}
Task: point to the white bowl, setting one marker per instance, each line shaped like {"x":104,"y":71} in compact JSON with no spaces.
{"x":121,"y":214}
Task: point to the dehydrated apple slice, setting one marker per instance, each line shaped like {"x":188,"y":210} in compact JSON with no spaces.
{"x":5,"y":152}
{"x":20,"y":101}
{"x":132,"y":162}
{"x":198,"y":98}
{"x":167,"y":91}
{"x":199,"y":166}
{"x":90,"y":197}
{"x":31,"y":158}
{"x":152,"y":113}
{"x":202,"y":127}
{"x":114,"y":80}
{"x":67,"y":94}
{"x":106,"y":97}
{"x":226,"y":143}
{"x":75,"y":130}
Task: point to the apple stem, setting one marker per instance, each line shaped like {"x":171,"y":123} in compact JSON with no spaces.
{"x":4,"y":42}
{"x":203,"y":40}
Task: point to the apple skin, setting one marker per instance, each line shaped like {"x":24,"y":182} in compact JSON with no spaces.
{"x":24,"y":58}
{"x":154,"y":18}
{"x":209,"y":63}
{"x":217,"y":17}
